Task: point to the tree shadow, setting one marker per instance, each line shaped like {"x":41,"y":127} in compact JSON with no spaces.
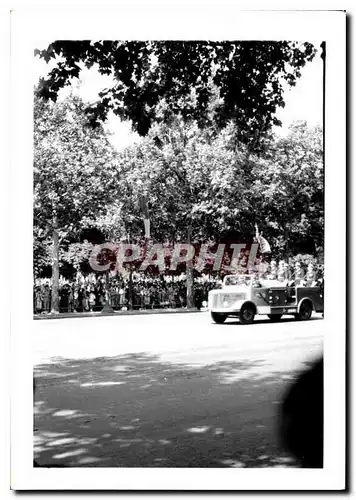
{"x":259,"y":321}
{"x":136,"y":410}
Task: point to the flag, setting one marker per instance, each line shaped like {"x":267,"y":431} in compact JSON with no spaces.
{"x":264,"y":245}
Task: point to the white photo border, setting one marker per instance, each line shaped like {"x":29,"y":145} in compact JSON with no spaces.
{"x":28,"y":27}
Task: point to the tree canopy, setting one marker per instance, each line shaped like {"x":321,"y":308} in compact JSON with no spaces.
{"x":288,"y":193}
{"x":208,"y":164}
{"x":190,"y":179}
{"x":74,"y":166}
{"x":246,"y":79}
{"x":74,"y":178}
{"x":218,"y":190}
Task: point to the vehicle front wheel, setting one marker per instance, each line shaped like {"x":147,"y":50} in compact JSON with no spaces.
{"x":275,"y":317}
{"x":305,"y":311}
{"x":247,"y":314}
{"x":218,"y":318}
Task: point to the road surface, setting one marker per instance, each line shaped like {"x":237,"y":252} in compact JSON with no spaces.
{"x":165,"y":390}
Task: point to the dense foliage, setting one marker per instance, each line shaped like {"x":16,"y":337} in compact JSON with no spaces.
{"x":74,"y":177}
{"x":246,"y":76}
{"x":209,"y":188}
{"x":207,"y":164}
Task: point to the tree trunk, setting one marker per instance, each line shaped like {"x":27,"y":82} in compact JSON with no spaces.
{"x":107,"y":306}
{"x":130,"y":290}
{"x":286,"y":242}
{"x":190,"y":278}
{"x":190,"y":287}
{"x":55,"y":268}
{"x":107,"y":283}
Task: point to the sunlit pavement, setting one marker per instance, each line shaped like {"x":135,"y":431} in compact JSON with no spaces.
{"x":165,"y":390}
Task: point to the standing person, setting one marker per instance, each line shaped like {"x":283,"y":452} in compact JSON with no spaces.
{"x":85,"y":299}
{"x":152,"y":295}
{"x":311,"y":275}
{"x":121,"y":296}
{"x":287,"y":274}
{"x":46,"y":299}
{"x":107,"y":295}
{"x":256,"y":268}
{"x":298,"y":274}
{"x":96,"y":288}
{"x":63,"y":299}
{"x":38,"y":300}
{"x":198,"y":296}
{"x":115,"y":297}
{"x":81,"y":297}
{"x":320,"y":276}
{"x":155,"y":296}
{"x":101,"y":296}
{"x":142,"y":295}
{"x":134,"y":296}
{"x":182,"y":295}
{"x":172,"y":299}
{"x":70,"y":299}
{"x":242,"y":266}
{"x":92,"y":300}
{"x":147,"y":297}
{"x":261,"y":268}
{"x":77,"y":299}
{"x":320,"y":280}
{"x":164,"y":296}
{"x":281,"y":271}
{"x":273,"y":272}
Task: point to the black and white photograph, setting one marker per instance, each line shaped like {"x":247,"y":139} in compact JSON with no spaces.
{"x":183,"y":211}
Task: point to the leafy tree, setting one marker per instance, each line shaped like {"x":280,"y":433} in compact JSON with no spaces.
{"x":41,"y":251}
{"x":200,"y":184}
{"x":214,"y":188}
{"x":77,"y":254}
{"x":195,"y":187}
{"x":74,"y":174}
{"x":288,"y":190}
{"x":247,"y":75}
{"x":188,"y":179}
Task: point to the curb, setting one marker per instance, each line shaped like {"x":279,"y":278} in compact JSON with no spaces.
{"x":143,"y":312}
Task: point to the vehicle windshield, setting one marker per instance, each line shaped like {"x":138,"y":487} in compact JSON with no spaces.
{"x":237,"y":280}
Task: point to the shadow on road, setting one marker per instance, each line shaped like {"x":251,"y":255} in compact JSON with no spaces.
{"x":257,"y":321}
{"x":137,"y":411}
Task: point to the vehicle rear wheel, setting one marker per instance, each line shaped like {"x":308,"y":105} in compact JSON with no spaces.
{"x":305,"y":311}
{"x":275,"y":317}
{"x":218,"y":318}
{"x":247,"y":314}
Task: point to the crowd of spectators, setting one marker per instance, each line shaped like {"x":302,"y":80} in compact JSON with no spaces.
{"x":92,"y":292}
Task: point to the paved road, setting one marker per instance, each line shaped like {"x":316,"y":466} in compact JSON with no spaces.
{"x":165,"y":390}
